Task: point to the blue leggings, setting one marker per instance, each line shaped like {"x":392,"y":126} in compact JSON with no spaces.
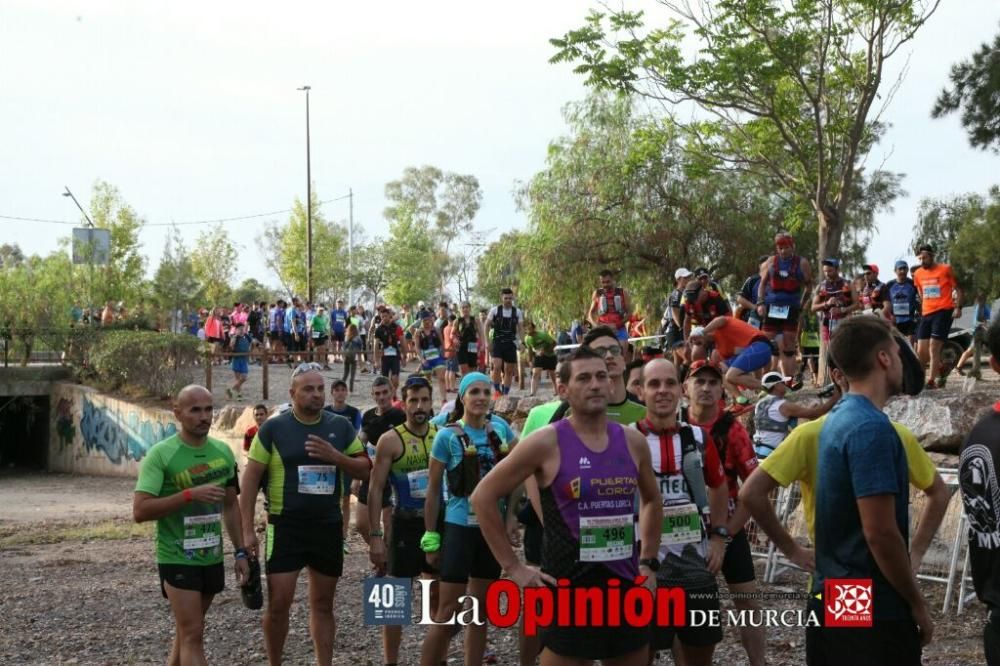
{"x":754,"y":357}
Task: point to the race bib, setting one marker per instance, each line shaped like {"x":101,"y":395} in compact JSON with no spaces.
{"x":317,"y":334}
{"x":201,"y":532}
{"x":606,"y":538}
{"x":673,"y":487}
{"x":932,"y":291}
{"x":901,"y":309}
{"x":473,"y":347}
{"x":681,"y":524}
{"x":340,"y":319}
{"x":317,"y":479}
{"x":778,"y":311}
{"x":389,"y":351}
{"x":431,"y":354}
{"x":471,"y":519}
{"x":417,"y":480}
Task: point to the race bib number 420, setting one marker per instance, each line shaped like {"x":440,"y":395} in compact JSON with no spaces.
{"x":201,"y":532}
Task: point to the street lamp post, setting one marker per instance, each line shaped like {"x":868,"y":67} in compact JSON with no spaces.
{"x":90,"y":251}
{"x":309,"y":215}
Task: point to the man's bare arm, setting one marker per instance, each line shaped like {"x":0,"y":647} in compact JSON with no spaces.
{"x":938,"y":496}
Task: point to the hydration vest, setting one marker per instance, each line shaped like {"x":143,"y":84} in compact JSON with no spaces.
{"x":505,"y":328}
{"x":430,"y":339}
{"x":691,"y":466}
{"x":617,"y":301}
{"x":763,"y":422}
{"x":787,"y":280}
{"x":467,"y":331}
{"x":839,"y":289}
{"x":462,"y":479}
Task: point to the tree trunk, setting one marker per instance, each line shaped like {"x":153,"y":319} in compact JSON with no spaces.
{"x":831,"y":230}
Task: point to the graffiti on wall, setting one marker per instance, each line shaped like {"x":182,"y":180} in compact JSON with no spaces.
{"x":120,"y":436}
{"x":65,"y":429}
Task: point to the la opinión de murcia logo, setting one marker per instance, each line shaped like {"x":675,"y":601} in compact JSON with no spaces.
{"x":847,"y":602}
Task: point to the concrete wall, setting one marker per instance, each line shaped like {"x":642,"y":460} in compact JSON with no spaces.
{"x":94,"y":433}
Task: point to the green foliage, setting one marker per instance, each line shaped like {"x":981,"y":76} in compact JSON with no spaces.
{"x":284,"y":251}
{"x":122,"y":279}
{"x":410,"y":259}
{"x":939,"y":222}
{"x":252,"y":291}
{"x":965,"y":232}
{"x":175,"y":285}
{"x":976,"y":90}
{"x":371,"y":268}
{"x":213,"y":261}
{"x":144,"y":363}
{"x":10,"y":255}
{"x":788,"y":89}
{"x":36,"y":297}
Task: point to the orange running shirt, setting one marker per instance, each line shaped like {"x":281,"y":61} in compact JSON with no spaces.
{"x":935,"y":285}
{"x":735,"y":335}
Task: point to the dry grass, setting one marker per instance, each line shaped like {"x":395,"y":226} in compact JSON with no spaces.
{"x":46,"y":533}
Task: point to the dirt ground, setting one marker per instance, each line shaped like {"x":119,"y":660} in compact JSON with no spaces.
{"x":78,"y":585}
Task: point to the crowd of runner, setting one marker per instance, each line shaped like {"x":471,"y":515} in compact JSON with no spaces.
{"x":639,"y":473}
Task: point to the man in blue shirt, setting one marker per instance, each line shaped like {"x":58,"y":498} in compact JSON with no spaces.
{"x":862,"y":527}
{"x":903,"y":302}
{"x":338,"y":325}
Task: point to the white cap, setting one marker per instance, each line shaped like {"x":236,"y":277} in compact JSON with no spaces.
{"x":681,"y":273}
{"x":697,"y":332}
{"x":772,"y":379}
{"x":420,"y":304}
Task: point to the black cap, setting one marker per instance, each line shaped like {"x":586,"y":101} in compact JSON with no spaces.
{"x":701,"y":272}
{"x":926,"y":247}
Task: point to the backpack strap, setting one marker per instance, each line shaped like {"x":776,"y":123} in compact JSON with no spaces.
{"x":692,"y":467}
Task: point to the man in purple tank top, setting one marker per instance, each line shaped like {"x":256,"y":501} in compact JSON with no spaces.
{"x":588,"y":470}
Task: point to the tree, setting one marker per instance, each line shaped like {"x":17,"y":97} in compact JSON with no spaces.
{"x":940,"y":221}
{"x":412,"y":276}
{"x":11,"y":255}
{"x":975,"y":88}
{"x":252,"y":290}
{"x":789,"y":92}
{"x":284,"y":251}
{"x":36,"y":297}
{"x":122,"y":279}
{"x":445,"y":202}
{"x":371,"y":267}
{"x":975,"y":251}
{"x":214,"y":263}
{"x":175,"y":286}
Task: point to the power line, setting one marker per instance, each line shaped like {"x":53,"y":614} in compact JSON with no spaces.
{"x":15,"y":218}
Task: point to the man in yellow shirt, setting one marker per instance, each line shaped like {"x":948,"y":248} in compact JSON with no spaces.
{"x":795,"y":460}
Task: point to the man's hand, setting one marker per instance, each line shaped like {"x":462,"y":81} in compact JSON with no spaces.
{"x":514,"y":533}
{"x":957,"y":313}
{"x":716,"y":553}
{"x":376,"y":553}
{"x":761,"y":309}
{"x":924,"y":624}
{"x":650,"y":576}
{"x":916,"y":559}
{"x":242,"y":571}
{"x":208,"y":493}
{"x":804,"y":558}
{"x":250,"y":541}
{"x":319,"y":448}
{"x":528,"y":576}
{"x":433,"y":559}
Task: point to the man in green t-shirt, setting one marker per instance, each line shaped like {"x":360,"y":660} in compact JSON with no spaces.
{"x":305,"y":452}
{"x":187,"y":484}
{"x":542,"y":348}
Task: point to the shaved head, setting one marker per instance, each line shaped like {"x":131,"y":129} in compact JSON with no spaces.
{"x":191,"y":393}
{"x":193,"y":409}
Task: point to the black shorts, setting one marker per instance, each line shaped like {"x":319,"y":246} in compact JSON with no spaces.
{"x":595,"y":642}
{"x":390,"y":365}
{"x":672,"y":335}
{"x":209,"y":579}
{"x":545,"y":362}
{"x":468,"y":358}
{"x":704,"y":599}
{"x":338,"y":336}
{"x":465,"y":555}
{"x":935,"y":325}
{"x":213,"y":340}
{"x":505,"y":351}
{"x":406,"y":559}
{"x":292,"y":547}
{"x":737,"y":566}
{"x":884,"y":642}
{"x":907,"y":328}
{"x":789,"y":324}
{"x":320,"y":341}
{"x":363,"y":493}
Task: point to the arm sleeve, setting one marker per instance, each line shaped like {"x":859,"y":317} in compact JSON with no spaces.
{"x":151,"y":474}
{"x":714,"y":476}
{"x":870,"y":459}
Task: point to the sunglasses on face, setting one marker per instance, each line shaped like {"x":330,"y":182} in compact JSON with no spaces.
{"x":614,"y":350}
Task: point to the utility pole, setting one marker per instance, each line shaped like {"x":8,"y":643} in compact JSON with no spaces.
{"x":309,"y":213}
{"x":350,"y":247}
{"x":90,"y":250}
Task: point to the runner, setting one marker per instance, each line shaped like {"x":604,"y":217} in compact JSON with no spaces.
{"x":704,"y":391}
{"x":744,"y":349}
{"x":259,"y":416}
{"x":541,"y":345}
{"x":941,"y":303}
{"x":872,"y":290}
{"x":374,"y":423}
{"x":978,"y":478}
{"x":463,"y":453}
{"x":467,"y":337}
{"x":187,"y":484}
{"x":401,"y":462}
{"x":241,"y":343}
{"x":774,"y":415}
{"x":673,"y":315}
{"x":450,"y":342}
{"x":389,"y":336}
{"x":571,"y":462}
{"x":695,"y":498}
{"x":702,"y":305}
{"x":785,"y":281}
{"x":746,"y":300}
{"x":835,"y":299}
{"x":276,"y":330}
{"x":428,"y":342}
{"x":338,"y":394}
{"x":610,"y":306}
{"x":980,"y":322}
{"x":505,"y":321}
{"x":904,"y":302}
{"x":306,"y":452}
{"x":862,"y":525}
{"x":320,"y":326}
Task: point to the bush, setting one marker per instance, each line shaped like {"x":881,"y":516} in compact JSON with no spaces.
{"x":144,"y":362}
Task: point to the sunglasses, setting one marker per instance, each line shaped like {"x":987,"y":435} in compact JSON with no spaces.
{"x":303,"y":368}
{"x":615,"y":350}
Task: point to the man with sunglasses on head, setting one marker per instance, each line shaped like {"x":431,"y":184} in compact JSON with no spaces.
{"x":402,"y":459}
{"x":305,"y":451}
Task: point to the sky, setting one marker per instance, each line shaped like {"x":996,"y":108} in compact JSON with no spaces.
{"x":192,"y":110}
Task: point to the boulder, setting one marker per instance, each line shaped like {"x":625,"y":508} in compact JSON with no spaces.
{"x":234,"y":417}
{"x":506,"y":407}
{"x":941,"y":418}
{"x":525,"y":405}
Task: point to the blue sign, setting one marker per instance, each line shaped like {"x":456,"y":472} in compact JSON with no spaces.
{"x":387,"y":601}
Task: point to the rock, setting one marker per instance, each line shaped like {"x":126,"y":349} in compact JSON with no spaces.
{"x":506,"y":406}
{"x":228,"y":417}
{"x":941,"y":418}
{"x":525,"y":405}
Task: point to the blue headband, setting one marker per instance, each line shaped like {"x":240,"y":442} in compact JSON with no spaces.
{"x":469,"y":380}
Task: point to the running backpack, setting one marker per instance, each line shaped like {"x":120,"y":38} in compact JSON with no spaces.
{"x":464,"y":477}
{"x":691,"y":464}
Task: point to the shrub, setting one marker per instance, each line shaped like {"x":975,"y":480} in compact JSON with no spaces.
{"x":144,"y":362}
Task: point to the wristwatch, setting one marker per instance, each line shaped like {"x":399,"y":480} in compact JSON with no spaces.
{"x":651,"y":563}
{"x":720,"y":531}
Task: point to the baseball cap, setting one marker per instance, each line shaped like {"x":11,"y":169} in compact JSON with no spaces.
{"x":697,"y":332}
{"x":772,"y":379}
{"x":831,"y":261}
{"x":902,"y":264}
{"x":871,"y":267}
{"x":701,"y":272}
{"x":703,"y":364}
{"x":681,"y":273}
{"x":926,"y":247}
